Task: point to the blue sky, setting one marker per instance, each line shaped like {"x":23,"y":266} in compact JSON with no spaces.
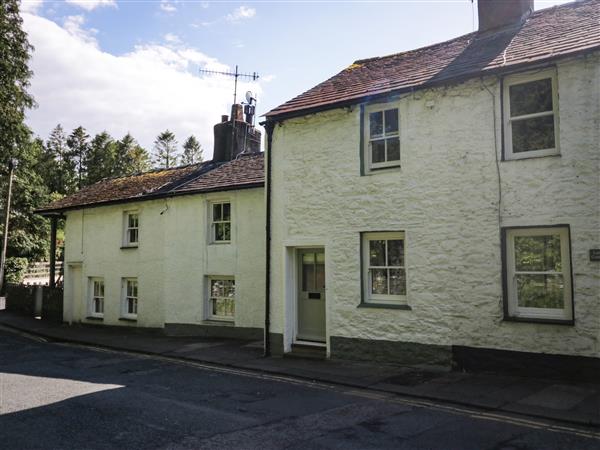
{"x":130,"y":65}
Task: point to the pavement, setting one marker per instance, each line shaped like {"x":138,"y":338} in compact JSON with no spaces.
{"x":65,"y":396}
{"x":555,"y":399}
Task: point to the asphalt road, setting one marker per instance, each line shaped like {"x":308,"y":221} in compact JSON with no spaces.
{"x":60,"y":396}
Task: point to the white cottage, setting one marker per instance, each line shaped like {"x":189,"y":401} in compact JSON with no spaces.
{"x":443,"y":204}
{"x":180,"y":249}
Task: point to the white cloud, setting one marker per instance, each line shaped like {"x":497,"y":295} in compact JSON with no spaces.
{"x":241,"y":13}
{"x":152,"y":88}
{"x":89,"y":5}
{"x":74,"y":26}
{"x":31,"y":6}
{"x":172,"y":38}
{"x":167,"y":6}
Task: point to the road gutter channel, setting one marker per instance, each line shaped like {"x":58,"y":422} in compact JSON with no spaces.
{"x":419,"y":401}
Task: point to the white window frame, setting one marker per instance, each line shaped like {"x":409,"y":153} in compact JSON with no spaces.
{"x":91,"y":297}
{"x":213,"y":223}
{"x":126,"y":228}
{"x":209,"y":309}
{"x":521,"y":78}
{"x":514,"y":311}
{"x":368,"y":154}
{"x":125,"y":298}
{"x":381,"y":298}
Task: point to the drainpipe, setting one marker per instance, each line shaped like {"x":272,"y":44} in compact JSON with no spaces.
{"x":269,"y":126}
{"x":52,"y":281}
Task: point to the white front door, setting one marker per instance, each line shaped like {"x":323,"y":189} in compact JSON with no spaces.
{"x":311,"y":295}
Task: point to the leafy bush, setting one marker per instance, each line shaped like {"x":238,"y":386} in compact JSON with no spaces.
{"x":14,"y":271}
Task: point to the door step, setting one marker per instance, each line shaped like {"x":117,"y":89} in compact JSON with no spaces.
{"x":307,"y":351}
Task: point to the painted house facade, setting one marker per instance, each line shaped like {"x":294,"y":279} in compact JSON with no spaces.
{"x":179,"y":249}
{"x":435,"y":203}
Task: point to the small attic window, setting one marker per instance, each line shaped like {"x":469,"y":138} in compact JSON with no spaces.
{"x":531,"y":115}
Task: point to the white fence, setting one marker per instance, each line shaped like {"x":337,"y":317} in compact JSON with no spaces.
{"x":39,"y":273}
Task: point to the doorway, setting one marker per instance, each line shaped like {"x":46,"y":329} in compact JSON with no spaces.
{"x":311,"y":295}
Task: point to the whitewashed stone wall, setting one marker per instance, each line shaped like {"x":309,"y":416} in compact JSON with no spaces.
{"x":173,"y":258}
{"x":445,"y":197}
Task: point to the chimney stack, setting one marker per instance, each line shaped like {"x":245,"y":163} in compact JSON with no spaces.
{"x":235,"y":136}
{"x":498,"y":13}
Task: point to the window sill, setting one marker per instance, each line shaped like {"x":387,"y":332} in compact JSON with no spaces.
{"x":521,"y":158}
{"x":98,"y":319}
{"x":128,"y":319}
{"x":219,"y":323}
{"x":385,"y":306}
{"x":568,"y":322}
{"x":377,"y":170}
{"x":219,"y":242}
{"x":126,"y":247}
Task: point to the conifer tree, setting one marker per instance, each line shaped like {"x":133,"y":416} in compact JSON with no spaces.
{"x":165,"y":147}
{"x":192,"y":151}
{"x":78,"y":143}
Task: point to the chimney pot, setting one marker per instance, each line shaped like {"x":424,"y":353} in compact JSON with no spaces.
{"x":224,"y":118}
{"x":498,"y":13}
{"x":237,"y":112}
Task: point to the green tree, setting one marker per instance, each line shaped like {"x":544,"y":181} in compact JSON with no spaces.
{"x":62,"y":175}
{"x":192,"y":151}
{"x":14,"y":81}
{"x":28,"y":233}
{"x":100,"y":158}
{"x":78,"y":143}
{"x":165,"y":147}
{"x":130,"y":157}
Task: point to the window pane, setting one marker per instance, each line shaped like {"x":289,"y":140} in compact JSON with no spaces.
{"x":223,"y":307}
{"x":531,"y":97}
{"x":99,"y":305}
{"x":226,"y":211}
{"x":216,"y":212}
{"x":540,"y":291}
{"x":319,"y":276}
{"x":133,"y":220}
{"x":395,"y":253}
{"x":391,"y":121}
{"x":537,"y":253}
{"x":308,"y":276}
{"x":378,"y":151}
{"x":533,"y":134}
{"x":226,"y":231}
{"x":133,"y":235}
{"x":308,"y":258}
{"x":377,"y":253}
{"x":221,"y":231}
{"x":376,"y":123}
{"x":397,"y":282}
{"x":131,"y":306}
{"x":378,"y":281}
{"x":393,"y":149}
{"x":216,"y":288}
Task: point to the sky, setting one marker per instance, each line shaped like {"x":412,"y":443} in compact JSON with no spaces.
{"x":134,"y":65}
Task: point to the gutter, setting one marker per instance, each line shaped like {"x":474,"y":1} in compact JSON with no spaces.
{"x":269,"y":125}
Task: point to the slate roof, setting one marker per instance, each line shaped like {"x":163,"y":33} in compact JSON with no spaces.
{"x":245,"y":172}
{"x":546,"y":34}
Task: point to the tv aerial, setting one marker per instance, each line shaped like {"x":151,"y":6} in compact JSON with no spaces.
{"x":252,"y":76}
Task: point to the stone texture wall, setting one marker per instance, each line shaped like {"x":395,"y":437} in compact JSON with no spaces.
{"x":446,"y":199}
